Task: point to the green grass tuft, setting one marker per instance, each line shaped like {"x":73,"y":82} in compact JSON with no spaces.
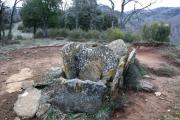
{"x":166,"y":71}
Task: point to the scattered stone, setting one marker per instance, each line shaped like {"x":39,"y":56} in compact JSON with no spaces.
{"x":91,"y":71}
{"x":146,"y":86}
{"x":118,"y":47}
{"x":17,"y":118}
{"x":27,"y":103}
{"x":146,"y":76}
{"x":78,"y":96}
{"x":158,"y":94}
{"x":27,"y":84}
{"x":43,"y":108}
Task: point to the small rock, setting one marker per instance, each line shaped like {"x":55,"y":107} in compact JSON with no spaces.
{"x":146,"y":86}
{"x":27,"y":103}
{"x":27,"y":84}
{"x":158,"y":94}
{"x":169,"y":110}
{"x":17,"y":118}
{"x":146,"y":76}
{"x":146,"y":100}
{"x":43,"y":108}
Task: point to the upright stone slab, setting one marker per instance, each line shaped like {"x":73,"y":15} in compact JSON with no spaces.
{"x":119,"y":48}
{"x":78,"y":96}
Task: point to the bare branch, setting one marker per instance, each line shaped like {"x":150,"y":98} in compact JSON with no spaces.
{"x":135,"y":12}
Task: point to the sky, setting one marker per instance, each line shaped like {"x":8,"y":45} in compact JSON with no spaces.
{"x":158,"y":3}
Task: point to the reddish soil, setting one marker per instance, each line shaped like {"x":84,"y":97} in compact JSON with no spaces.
{"x":39,"y":60}
{"x":142,"y":106}
{"x":147,"y":106}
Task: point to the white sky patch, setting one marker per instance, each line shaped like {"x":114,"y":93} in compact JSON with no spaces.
{"x":159,"y":3}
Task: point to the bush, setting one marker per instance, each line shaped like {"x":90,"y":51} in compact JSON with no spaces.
{"x":92,"y":34}
{"x":20,"y":27}
{"x":39,"y":34}
{"x":166,"y":71}
{"x":58,"y":32}
{"x":156,"y":32}
{"x":177,"y":62}
{"x":76,"y":34}
{"x":131,"y":37}
{"x":114,"y":34}
{"x":19,"y":37}
{"x":24,"y":29}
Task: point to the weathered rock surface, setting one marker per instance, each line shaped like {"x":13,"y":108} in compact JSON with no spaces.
{"x":118,"y":47}
{"x":76,"y":56}
{"x":43,"y":108}
{"x":70,"y":62}
{"x":146,"y":86}
{"x":27,"y":104}
{"x":78,"y":96}
{"x":91,"y":71}
{"x":55,"y":72}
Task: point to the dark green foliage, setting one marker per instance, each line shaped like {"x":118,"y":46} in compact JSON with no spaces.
{"x":156,"y":32}
{"x":41,"y":13}
{"x":39,"y":34}
{"x":58,"y":33}
{"x":52,"y":115}
{"x":114,"y":34}
{"x":19,"y":37}
{"x":131,"y":37}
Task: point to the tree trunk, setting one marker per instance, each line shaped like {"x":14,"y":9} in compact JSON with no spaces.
{"x":77,"y":22}
{"x":122,"y":25}
{"x":34,"y":30}
{"x":45,"y":32}
{"x":11,"y":21}
{"x":1,"y":18}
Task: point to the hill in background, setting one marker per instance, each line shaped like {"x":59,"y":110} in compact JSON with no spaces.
{"x":170,"y":15}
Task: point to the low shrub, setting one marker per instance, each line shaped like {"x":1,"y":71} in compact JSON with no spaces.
{"x":114,"y":34}
{"x":166,"y":71}
{"x":131,"y":37}
{"x":92,"y":34}
{"x":39,"y":34}
{"x":177,"y":62}
{"x":24,"y":29}
{"x":20,"y":27}
{"x":19,"y":37}
{"x":76,"y":34}
{"x":58,"y":32}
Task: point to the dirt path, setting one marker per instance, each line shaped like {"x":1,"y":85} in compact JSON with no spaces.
{"x":34,"y":63}
{"x":147,"y":106}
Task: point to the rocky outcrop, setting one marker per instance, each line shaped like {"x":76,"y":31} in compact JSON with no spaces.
{"x":78,"y":96}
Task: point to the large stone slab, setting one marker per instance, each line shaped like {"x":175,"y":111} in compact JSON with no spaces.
{"x":118,"y":47}
{"x":76,"y":56}
{"x":27,"y":103}
{"x":78,"y":96}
